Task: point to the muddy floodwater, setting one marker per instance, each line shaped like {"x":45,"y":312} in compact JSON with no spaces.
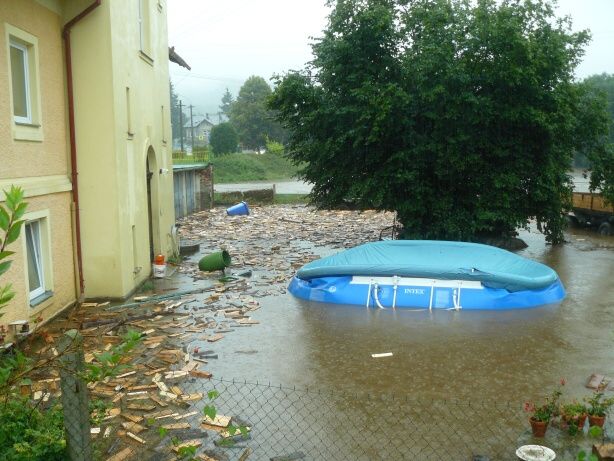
{"x":479,"y":355}
{"x":448,"y":370}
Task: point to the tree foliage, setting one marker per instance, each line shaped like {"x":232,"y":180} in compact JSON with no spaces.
{"x":459,"y":115}
{"x":251,"y":117}
{"x":227,"y":101}
{"x":223,"y":139}
{"x":177,"y":114}
{"x":599,"y":91}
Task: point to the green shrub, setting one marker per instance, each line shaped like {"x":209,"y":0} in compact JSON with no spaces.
{"x":27,"y":433}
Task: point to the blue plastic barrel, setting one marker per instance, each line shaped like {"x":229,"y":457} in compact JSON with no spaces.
{"x":238,"y":209}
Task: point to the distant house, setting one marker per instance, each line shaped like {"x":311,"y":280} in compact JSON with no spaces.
{"x":85,"y":130}
{"x":201,"y":130}
{"x":201,"y":127}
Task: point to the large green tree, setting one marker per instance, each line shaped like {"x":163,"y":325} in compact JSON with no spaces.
{"x":223,"y":139}
{"x":458,"y":115}
{"x":251,"y":117}
{"x":599,"y":91}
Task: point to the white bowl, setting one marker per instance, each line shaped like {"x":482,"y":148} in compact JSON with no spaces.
{"x":535,"y":453}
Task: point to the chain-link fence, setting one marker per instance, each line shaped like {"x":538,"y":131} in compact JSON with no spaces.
{"x":164,"y":407}
{"x":175,"y":416}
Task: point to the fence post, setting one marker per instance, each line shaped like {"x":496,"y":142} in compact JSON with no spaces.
{"x":75,"y":399}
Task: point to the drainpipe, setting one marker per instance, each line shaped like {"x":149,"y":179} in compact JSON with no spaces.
{"x":73,"y":143}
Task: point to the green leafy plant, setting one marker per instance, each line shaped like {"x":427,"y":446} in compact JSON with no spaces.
{"x":573,"y":415}
{"x":10,"y":227}
{"x":549,"y":408}
{"x":598,"y":405}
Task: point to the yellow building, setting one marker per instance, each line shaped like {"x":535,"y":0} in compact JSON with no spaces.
{"x":85,"y":130}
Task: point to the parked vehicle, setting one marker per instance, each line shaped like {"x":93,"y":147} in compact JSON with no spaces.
{"x":591,"y":209}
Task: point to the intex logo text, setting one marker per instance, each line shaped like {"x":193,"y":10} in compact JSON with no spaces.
{"x":414,"y":291}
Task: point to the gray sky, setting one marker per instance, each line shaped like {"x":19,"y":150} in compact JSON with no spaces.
{"x":227,"y":41}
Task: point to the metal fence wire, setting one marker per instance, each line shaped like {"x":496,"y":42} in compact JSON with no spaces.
{"x":265,"y":422}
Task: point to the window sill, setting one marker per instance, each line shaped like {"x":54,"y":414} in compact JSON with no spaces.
{"x":145,"y":57}
{"x":41,"y":299}
{"x":27,"y":132}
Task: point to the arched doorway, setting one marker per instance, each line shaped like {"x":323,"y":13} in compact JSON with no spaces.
{"x":153,"y":211}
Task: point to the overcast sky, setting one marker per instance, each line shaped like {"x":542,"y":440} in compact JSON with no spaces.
{"x":227,"y":41}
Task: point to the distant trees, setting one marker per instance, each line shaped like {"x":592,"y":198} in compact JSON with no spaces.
{"x":223,"y":139}
{"x":461,"y":116}
{"x":251,"y":117}
{"x":226,"y":103}
{"x":175,"y":113}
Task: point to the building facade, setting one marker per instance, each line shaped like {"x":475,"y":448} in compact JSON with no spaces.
{"x":85,"y":131}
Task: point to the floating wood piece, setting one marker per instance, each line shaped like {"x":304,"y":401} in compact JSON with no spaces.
{"x":190,"y":366}
{"x":121,"y":456}
{"x":176,"y":374}
{"x":604,"y":452}
{"x":190,"y":443}
{"x":186,"y":415}
{"x":226,"y":433}
{"x":247,"y":321}
{"x":160,"y":402}
{"x":133,"y":427}
{"x":135,"y":437}
{"x":140,"y":298}
{"x":219,"y":421}
{"x":383,"y":354}
{"x":131,"y":417}
{"x":200,"y":374}
{"x":215,"y":337}
{"x":245,"y":454}
{"x":174,"y":426}
{"x":130,"y":373}
{"x":191,"y":397}
{"x":141,"y":407}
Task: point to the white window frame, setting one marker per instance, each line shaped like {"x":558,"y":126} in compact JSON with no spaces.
{"x":32,"y":230}
{"x":24,"y":128}
{"x":26,"y":72}
{"x":43,"y":256}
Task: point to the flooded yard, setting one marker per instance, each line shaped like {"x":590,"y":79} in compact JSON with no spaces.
{"x":301,"y":375}
{"x":465,"y":354}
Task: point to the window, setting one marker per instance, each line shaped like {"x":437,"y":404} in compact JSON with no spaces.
{"x":20,"y":80}
{"x":37,"y":251}
{"x":145,"y":27}
{"x":36,"y":278}
{"x":22,"y":53}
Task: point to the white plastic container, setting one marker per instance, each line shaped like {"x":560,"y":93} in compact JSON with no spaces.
{"x":159,"y":271}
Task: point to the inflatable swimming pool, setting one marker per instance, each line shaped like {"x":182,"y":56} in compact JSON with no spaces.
{"x":430,"y":275}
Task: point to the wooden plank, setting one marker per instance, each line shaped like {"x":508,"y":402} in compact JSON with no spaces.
{"x":219,"y":421}
{"x":133,"y":427}
{"x":135,"y":437}
{"x":189,"y":443}
{"x":121,"y":456}
{"x":176,"y":426}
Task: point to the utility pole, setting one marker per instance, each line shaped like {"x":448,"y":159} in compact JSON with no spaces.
{"x":192,"y":129}
{"x":181,"y":124}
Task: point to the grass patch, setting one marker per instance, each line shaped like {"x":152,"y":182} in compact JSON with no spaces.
{"x":251,"y":167}
{"x":291,"y":199}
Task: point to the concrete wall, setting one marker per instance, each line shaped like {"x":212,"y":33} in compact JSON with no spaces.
{"x":123,"y":122}
{"x":36,"y":158}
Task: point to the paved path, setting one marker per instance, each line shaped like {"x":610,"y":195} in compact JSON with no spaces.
{"x":281,"y":187}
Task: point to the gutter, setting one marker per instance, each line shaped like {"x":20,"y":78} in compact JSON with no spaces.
{"x":73,"y":142}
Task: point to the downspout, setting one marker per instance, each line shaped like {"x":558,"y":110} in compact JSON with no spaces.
{"x":73,"y":143}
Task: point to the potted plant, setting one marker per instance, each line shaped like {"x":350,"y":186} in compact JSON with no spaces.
{"x":542,"y":414}
{"x":574,"y":416}
{"x":597,"y":408}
